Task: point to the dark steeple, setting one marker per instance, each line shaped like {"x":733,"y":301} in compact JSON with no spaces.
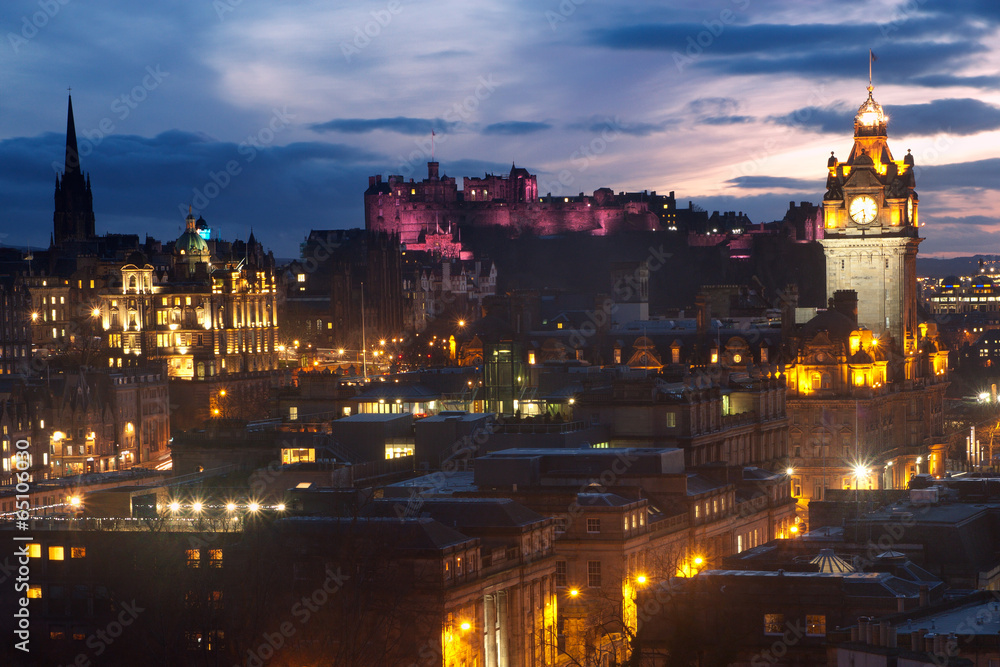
{"x":72,"y":154}
{"x":74,"y":212}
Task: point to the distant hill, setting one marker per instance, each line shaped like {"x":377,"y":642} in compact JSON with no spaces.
{"x":928,"y":267}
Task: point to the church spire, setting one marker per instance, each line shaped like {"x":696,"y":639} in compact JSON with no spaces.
{"x":72,"y":154}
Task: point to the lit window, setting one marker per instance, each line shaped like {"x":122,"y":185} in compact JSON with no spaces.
{"x":193,"y":558}
{"x":593,"y":525}
{"x":57,"y":633}
{"x":774,"y":624}
{"x":815,"y":625}
{"x":697,"y":511}
{"x":594,"y":573}
{"x":56,"y":553}
{"x":35,"y":592}
{"x":458,"y":566}
{"x":626,"y":523}
{"x":447,"y":569}
{"x":34,"y":551}
{"x":215,"y":558}
{"x":301,"y":277}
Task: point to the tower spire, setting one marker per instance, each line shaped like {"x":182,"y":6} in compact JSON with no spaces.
{"x":72,"y":154}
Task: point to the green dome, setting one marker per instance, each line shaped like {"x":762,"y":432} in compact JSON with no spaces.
{"x":190,"y":243}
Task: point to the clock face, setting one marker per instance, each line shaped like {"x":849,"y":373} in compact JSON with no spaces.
{"x":863,"y":210}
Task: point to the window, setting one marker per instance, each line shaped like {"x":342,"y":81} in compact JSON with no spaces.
{"x":57,"y":633}
{"x":774,"y":624}
{"x":671,"y":419}
{"x":739,"y":543}
{"x":560,"y":524}
{"x":447,"y":569}
{"x":560,"y":573}
{"x":293,"y":413}
{"x":193,"y":558}
{"x":35,"y":592}
{"x":593,"y":525}
{"x":815,"y":625}
{"x":301,"y":277}
{"x":697,"y":511}
{"x":594,"y":573}
{"x":34,"y":551}
{"x":626,"y":523}
{"x":458,"y":566}
{"x":57,"y":553}
{"x":215,"y":557}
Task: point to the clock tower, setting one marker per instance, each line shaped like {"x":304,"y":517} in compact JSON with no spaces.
{"x":871,"y":230}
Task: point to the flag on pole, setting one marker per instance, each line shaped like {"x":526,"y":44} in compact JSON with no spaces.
{"x":871,"y":58}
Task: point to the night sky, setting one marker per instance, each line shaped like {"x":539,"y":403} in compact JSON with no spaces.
{"x":735,"y":105}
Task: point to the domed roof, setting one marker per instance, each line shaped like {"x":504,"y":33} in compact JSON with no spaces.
{"x":190,"y":243}
{"x":836,"y":324}
{"x":870,"y":119}
{"x":951,"y":281}
{"x":861,"y":357}
{"x":982,"y":280}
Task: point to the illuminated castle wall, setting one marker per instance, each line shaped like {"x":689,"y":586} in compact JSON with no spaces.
{"x":417,"y":211}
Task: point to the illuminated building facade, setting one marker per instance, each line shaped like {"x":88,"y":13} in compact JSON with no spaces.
{"x":431,"y":212}
{"x":208,"y":318}
{"x":871,"y":230}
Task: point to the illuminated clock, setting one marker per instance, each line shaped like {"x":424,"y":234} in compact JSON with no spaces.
{"x":863,"y":210}
{"x":737,"y":358}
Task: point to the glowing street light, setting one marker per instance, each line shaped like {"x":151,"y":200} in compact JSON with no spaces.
{"x":96,"y":312}
{"x":573,"y":592}
{"x":641,"y":579}
{"x":196,"y":507}
{"x":230,"y":507}
{"x":253,"y":507}
{"x":466,"y":626}
{"x":461,"y":323}
{"x":698,"y":561}
{"x":789,"y":471}
{"x":280,"y":507}
{"x":175,"y":506}
{"x":75,"y":501}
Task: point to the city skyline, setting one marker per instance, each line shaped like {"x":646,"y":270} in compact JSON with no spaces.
{"x":273,"y":117}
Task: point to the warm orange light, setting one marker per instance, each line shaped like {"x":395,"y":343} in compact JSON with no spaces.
{"x":196,"y":507}
{"x":253,"y":507}
{"x":230,"y":507}
{"x":75,"y":501}
{"x":96,"y":312}
{"x":573,"y":592}
{"x":698,"y":560}
{"x":641,"y":579}
{"x":793,"y":529}
{"x":175,"y":507}
{"x":461,"y":323}
{"x":466,"y":625}
{"x":222,"y":392}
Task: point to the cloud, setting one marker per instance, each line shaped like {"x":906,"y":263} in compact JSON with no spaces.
{"x":949,"y":116}
{"x":726,"y":120}
{"x":515,"y":127}
{"x":599,"y":124}
{"x":775,"y":182}
{"x":399,"y":124}
{"x":980,"y":174}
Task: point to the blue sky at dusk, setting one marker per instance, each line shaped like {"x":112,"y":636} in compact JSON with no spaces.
{"x":277,"y":113}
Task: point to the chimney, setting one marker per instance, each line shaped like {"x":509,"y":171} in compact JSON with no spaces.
{"x":789,"y":302}
{"x":432,"y":171}
{"x":703,"y":313}
{"x":845,"y":302}
{"x":371,"y":181}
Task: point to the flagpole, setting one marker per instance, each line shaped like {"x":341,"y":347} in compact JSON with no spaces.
{"x":869,"y":68}
{"x":432,"y":144}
